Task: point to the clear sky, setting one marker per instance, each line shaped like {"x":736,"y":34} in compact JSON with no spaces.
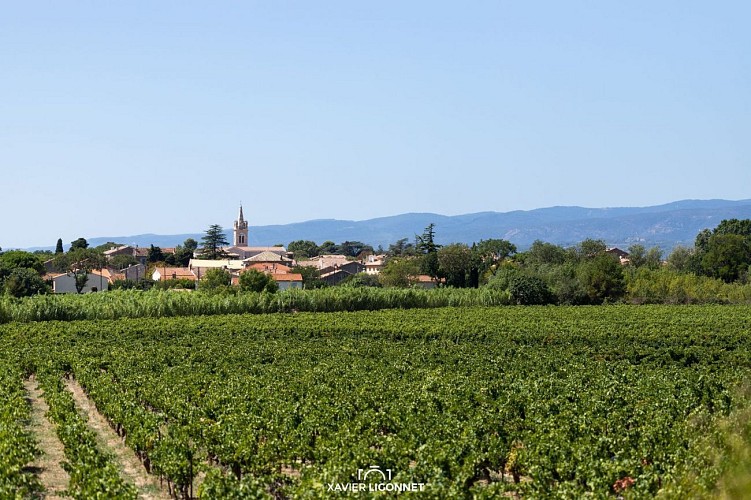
{"x":122,"y":118}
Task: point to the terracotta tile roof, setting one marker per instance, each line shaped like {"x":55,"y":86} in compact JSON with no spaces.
{"x":168,"y":273}
{"x":270,"y":267}
{"x":287,"y":277}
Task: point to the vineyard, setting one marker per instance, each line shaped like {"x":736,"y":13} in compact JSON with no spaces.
{"x":531,"y":402}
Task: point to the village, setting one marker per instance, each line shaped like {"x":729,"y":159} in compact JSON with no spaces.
{"x":237,"y":258}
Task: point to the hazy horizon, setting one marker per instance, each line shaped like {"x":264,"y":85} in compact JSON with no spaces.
{"x":161,"y":118}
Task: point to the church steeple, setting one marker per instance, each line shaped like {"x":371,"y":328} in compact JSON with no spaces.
{"x":240,"y":232}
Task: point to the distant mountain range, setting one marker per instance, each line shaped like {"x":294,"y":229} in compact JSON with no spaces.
{"x":666,"y":226}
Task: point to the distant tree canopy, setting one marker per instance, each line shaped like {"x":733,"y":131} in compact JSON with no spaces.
{"x":303,"y":249}
{"x":59,"y":246}
{"x":79,"y":243}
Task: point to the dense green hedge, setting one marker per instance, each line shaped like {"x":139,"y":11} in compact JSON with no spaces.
{"x":156,"y":303}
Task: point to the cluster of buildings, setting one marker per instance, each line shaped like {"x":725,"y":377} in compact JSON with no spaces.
{"x":275,"y":261}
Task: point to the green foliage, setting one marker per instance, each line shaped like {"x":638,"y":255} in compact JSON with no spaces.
{"x":311,"y":277}
{"x":93,"y":474}
{"x":683,"y":259}
{"x":640,"y":257}
{"x":534,"y":402}
{"x":303,"y":249}
{"x":19,"y":259}
{"x":183,"y":254}
{"x":24,"y":283}
{"x":523,"y":287}
{"x":59,"y":246}
{"x":530,"y":290}
{"x":79,"y":262}
{"x":361,"y":280}
{"x":181,"y":283}
{"x":155,"y":303}
{"x":141,"y":284}
{"x":80,"y":243}
{"x":601,"y":276}
{"x":428,"y":249}
{"x":455,"y":263}
{"x":155,"y":254}
{"x":106,"y":246}
{"x":120,"y":262}
{"x":213,"y":242}
{"x":589,"y":249}
{"x":401,"y":248}
{"x":727,"y":257}
{"x":328,"y":248}
{"x":354,"y":248}
{"x":734,"y":226}
{"x":667,"y":286}
{"x":544,"y":253}
{"x":400,"y":272}
{"x":253,"y":280}
{"x":215,"y":279}
{"x":17,"y":446}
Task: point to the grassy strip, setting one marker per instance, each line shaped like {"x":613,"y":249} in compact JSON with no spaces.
{"x":93,"y":474}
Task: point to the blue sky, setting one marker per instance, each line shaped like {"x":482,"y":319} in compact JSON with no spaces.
{"x":160,"y":117}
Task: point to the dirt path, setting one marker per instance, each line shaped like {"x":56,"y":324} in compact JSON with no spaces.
{"x":132,"y":469}
{"x":51,"y":474}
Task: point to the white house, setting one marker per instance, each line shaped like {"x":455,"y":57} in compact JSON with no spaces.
{"x":287,"y":280}
{"x":66,"y":282}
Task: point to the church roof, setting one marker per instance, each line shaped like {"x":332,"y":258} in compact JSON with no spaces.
{"x":265,"y":256}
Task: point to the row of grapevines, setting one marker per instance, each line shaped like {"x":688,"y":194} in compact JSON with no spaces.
{"x":472,"y":402}
{"x":17,"y":445}
{"x":93,"y":473}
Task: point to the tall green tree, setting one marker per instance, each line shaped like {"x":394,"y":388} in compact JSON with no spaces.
{"x":455,"y":263}
{"x":155,"y":254}
{"x":59,"y":246}
{"x":213,"y":242}
{"x":79,"y":243}
{"x":426,"y":245}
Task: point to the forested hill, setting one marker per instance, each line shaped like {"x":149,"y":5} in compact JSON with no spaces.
{"x":664,"y":225}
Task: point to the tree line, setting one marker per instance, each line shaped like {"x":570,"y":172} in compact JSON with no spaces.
{"x":716,"y":268}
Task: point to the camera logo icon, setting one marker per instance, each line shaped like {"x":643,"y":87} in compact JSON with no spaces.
{"x":374,"y":470}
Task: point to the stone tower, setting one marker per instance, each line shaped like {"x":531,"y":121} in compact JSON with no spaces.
{"x":240,"y":232}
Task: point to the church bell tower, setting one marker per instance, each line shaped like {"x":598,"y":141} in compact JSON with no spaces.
{"x":240,"y":232}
